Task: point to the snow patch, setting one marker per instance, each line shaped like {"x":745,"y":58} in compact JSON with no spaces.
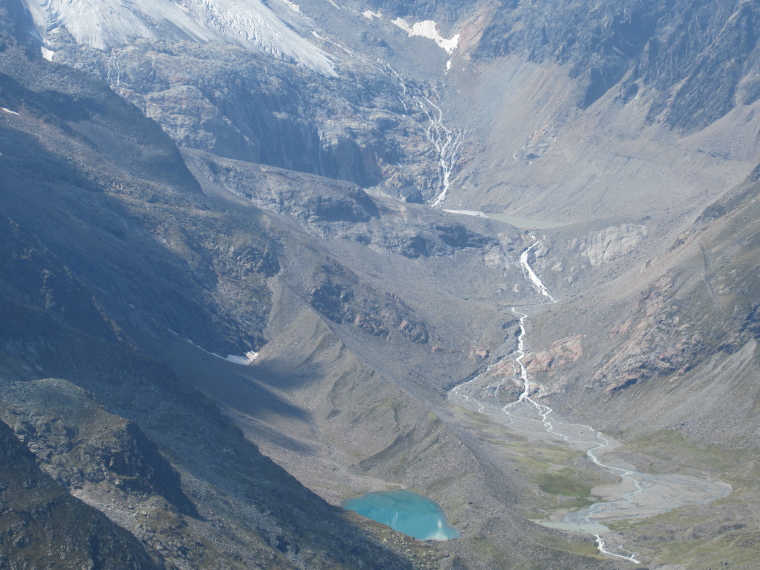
{"x":108,"y":24}
{"x":46,"y":53}
{"x":428,"y":29}
{"x":249,"y":357}
{"x":8,"y":111}
{"x":370,"y":15}
{"x":244,"y":360}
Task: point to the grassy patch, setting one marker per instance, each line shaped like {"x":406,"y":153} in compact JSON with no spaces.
{"x":541,"y":456}
{"x":580,"y":547}
{"x":566,"y":483}
{"x":557,"y":470}
{"x":739,"y":467}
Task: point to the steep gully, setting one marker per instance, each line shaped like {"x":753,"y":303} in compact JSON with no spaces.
{"x":637,"y":496}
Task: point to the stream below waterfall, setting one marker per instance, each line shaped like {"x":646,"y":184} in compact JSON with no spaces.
{"x":638,"y":495}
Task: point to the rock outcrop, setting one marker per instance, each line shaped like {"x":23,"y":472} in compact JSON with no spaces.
{"x":696,"y":56}
{"x":44,"y":527}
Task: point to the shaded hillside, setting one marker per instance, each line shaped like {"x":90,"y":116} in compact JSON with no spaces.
{"x":94,"y":166}
{"x":99,"y":245}
{"x":43,"y":526}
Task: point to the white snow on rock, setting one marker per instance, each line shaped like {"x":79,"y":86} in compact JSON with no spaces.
{"x":244,"y":360}
{"x":249,"y":357}
{"x":6,"y":110}
{"x":106,"y":24}
{"x":428,"y":29}
{"x":46,"y":53}
{"x":370,"y":15}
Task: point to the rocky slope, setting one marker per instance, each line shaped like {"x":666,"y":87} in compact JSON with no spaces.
{"x":43,"y":526}
{"x":679,"y":50}
{"x":94,"y":428}
{"x":692,"y":324}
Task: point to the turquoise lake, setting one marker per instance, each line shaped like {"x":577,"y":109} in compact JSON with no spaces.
{"x":406,"y":512}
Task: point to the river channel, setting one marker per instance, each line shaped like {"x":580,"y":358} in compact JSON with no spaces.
{"x":639,"y":495}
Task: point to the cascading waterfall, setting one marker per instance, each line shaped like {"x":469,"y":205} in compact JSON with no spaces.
{"x":446,"y":141}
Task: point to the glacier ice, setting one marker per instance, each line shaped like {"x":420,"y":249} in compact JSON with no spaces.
{"x":106,"y":24}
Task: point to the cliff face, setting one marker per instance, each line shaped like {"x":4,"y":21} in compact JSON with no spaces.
{"x":698,"y":56}
{"x":242,"y":105}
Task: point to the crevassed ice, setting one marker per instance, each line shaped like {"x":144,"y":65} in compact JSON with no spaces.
{"x":105,"y":24}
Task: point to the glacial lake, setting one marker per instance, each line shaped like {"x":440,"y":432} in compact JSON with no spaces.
{"x":406,"y":512}
{"x":516,"y":221}
{"x":525,"y":223}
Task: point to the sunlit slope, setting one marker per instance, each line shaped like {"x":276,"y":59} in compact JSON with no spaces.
{"x":688,"y":345}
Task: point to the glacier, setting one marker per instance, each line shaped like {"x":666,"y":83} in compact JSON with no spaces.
{"x":108,"y":24}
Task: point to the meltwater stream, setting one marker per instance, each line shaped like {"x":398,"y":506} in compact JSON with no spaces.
{"x":641,"y":495}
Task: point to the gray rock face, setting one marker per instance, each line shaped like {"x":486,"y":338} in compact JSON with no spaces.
{"x":696,"y":54}
{"x":311,"y":199}
{"x":442,"y":11}
{"x":237,"y":104}
{"x":81,"y":445}
{"x":613,"y":242}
